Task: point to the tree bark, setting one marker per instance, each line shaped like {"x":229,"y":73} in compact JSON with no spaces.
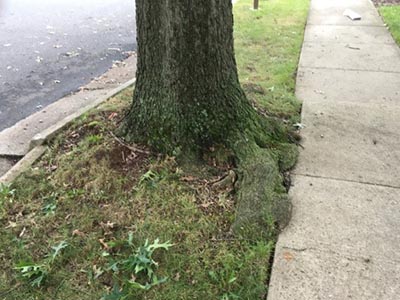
{"x":255,"y":4}
{"x":188,"y":98}
{"x":187,"y":91}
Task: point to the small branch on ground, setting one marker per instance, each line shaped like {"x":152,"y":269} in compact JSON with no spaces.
{"x":130,"y":147}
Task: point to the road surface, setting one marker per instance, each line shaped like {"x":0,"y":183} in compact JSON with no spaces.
{"x":49,"y":48}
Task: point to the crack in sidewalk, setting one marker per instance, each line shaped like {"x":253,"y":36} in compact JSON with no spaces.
{"x":348,"y":180}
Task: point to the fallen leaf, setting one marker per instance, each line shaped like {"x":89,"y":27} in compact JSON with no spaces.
{"x":104,"y":244}
{"x":22,"y":232}
{"x":78,"y":233}
{"x":288,"y":256}
{"x":188,"y":178}
{"x":112,"y":115}
{"x":11,"y":224}
{"x":205,"y":205}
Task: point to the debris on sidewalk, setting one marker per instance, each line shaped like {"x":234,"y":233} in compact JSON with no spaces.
{"x":299,"y":125}
{"x":352,"y":15}
{"x":353,"y":48}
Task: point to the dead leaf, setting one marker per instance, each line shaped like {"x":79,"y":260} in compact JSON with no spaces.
{"x":78,"y":233}
{"x":107,"y":225}
{"x":188,"y":178}
{"x":112,"y":115}
{"x":104,"y":244}
{"x":205,"y":205}
{"x":11,"y":224}
{"x":22,"y":232}
{"x":288,"y":256}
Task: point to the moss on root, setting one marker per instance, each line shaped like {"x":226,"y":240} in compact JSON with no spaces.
{"x":263,"y":207}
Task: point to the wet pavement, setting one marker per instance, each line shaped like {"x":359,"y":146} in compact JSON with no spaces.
{"x":49,"y":48}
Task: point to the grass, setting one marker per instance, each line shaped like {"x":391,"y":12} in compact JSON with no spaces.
{"x":267,"y":48}
{"x":391,"y":16}
{"x":97,"y":219}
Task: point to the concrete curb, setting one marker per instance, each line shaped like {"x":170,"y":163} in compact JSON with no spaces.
{"x":23,"y":164}
{"x":36,"y":145}
{"x":47,"y":134}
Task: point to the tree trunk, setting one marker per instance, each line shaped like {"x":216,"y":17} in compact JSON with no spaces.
{"x":255,"y":4}
{"x":187,"y":90}
{"x":188,"y":98}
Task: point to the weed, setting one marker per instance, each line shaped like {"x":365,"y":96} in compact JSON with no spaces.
{"x":37,"y":273}
{"x":94,"y":139}
{"x":150,"y":178}
{"x":49,"y":209}
{"x":74,"y":193}
{"x":6,"y":192}
{"x":56,"y":250}
{"x":141,"y":264}
{"x":6,"y":195}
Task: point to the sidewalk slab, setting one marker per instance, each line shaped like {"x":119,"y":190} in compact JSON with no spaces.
{"x":351,"y":142}
{"x":348,"y":34}
{"x":329,"y":215}
{"x":351,"y":56}
{"x":312,"y":274}
{"x":330,"y":12}
{"x":337,"y":86}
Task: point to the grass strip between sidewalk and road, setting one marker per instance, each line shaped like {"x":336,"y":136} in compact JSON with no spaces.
{"x":391,"y":16}
{"x":98,"y":219}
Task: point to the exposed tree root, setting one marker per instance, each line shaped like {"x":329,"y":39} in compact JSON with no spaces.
{"x":263,"y":205}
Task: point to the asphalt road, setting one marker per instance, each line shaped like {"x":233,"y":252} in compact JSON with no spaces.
{"x":49,"y":48}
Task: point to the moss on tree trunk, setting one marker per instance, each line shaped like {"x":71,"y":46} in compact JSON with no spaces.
{"x":188,"y":98}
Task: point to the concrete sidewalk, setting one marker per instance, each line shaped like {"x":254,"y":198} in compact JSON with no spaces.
{"x":343,"y":241}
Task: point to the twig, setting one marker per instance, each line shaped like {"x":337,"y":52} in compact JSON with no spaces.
{"x":293,"y":140}
{"x":134,"y":149}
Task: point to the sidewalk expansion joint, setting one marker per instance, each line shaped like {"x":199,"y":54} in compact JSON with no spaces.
{"x":352,"y":70}
{"x":347,"y":256}
{"x":352,"y":25}
{"x":349,"y":180}
{"x":337,"y":42}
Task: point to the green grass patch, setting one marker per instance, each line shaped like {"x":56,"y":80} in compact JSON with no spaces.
{"x":267,"y":48}
{"x":98,"y":219}
{"x":391,"y":16}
